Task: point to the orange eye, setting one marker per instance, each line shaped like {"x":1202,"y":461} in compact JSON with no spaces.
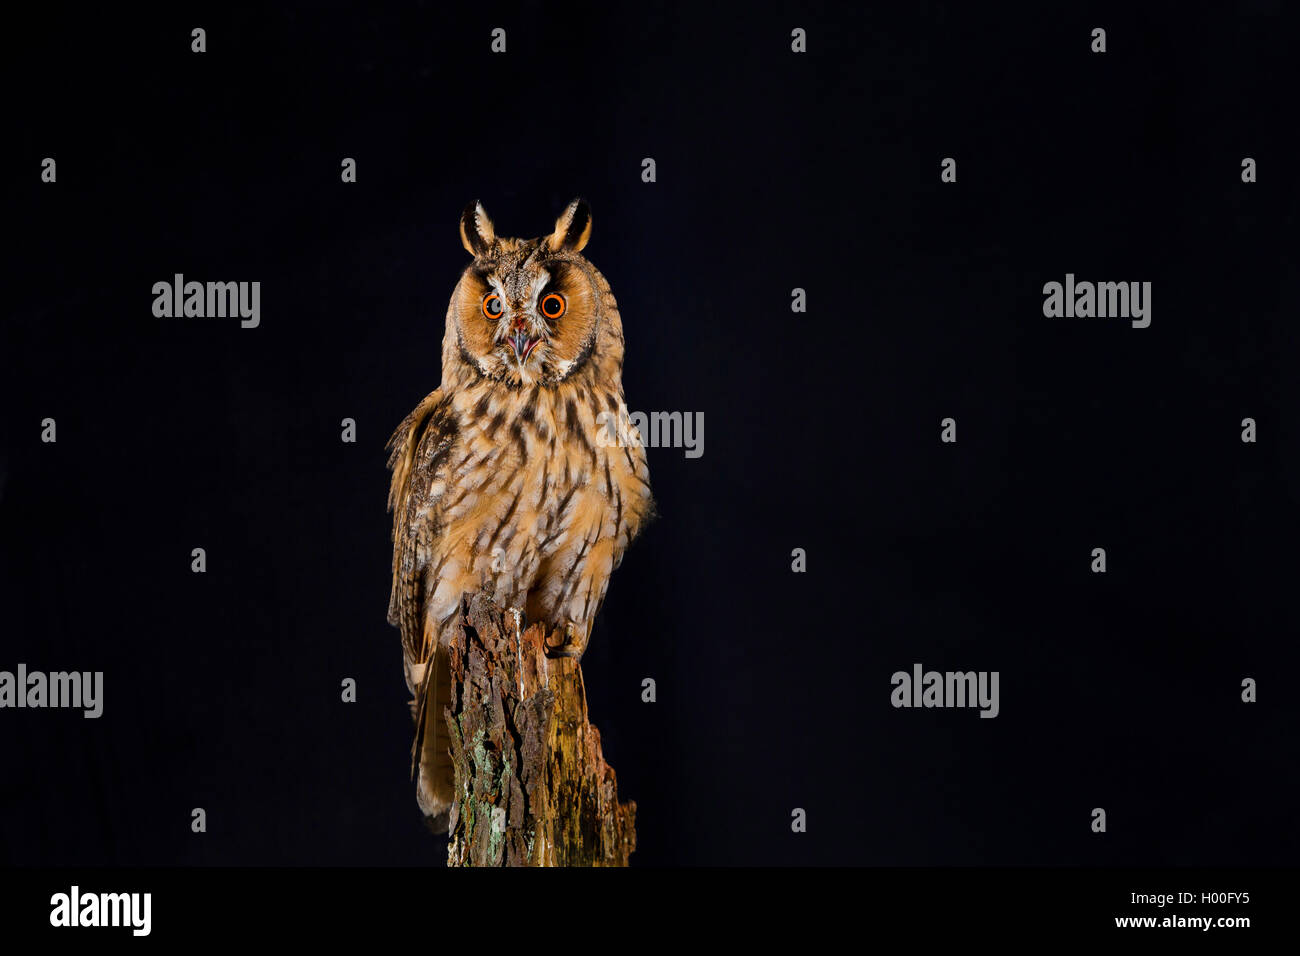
{"x":553,"y":306}
{"x":493,"y":307}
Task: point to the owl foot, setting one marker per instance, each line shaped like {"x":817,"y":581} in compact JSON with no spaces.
{"x":575,"y":641}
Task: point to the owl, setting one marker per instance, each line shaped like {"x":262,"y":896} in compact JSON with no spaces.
{"x":511,"y":477}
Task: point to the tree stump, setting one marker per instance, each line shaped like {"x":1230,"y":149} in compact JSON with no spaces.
{"x":532,"y":786}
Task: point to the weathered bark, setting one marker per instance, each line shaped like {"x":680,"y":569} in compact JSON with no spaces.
{"x":532,"y":787}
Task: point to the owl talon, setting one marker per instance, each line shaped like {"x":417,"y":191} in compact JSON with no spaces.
{"x":575,"y":642}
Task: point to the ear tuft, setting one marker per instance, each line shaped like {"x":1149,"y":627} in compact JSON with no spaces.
{"x":476,"y":232}
{"x":572,"y":229}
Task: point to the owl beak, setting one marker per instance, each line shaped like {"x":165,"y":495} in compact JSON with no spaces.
{"x":523,"y":345}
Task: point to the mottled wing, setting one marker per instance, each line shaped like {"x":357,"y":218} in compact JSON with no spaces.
{"x":420,"y":449}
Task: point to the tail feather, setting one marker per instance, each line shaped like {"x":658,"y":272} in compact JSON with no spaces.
{"x":431,"y":752}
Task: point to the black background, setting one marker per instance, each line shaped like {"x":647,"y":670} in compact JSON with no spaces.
{"x":775,"y":171}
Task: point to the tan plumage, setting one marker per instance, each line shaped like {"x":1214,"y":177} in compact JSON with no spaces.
{"x":507,"y":476}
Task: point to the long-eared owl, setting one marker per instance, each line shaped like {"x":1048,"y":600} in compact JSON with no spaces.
{"x":506,"y":477}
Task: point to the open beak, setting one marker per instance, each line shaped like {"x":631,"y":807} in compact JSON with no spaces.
{"x":522,"y":345}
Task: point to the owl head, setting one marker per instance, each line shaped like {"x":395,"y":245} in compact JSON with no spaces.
{"x":529,"y":311}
